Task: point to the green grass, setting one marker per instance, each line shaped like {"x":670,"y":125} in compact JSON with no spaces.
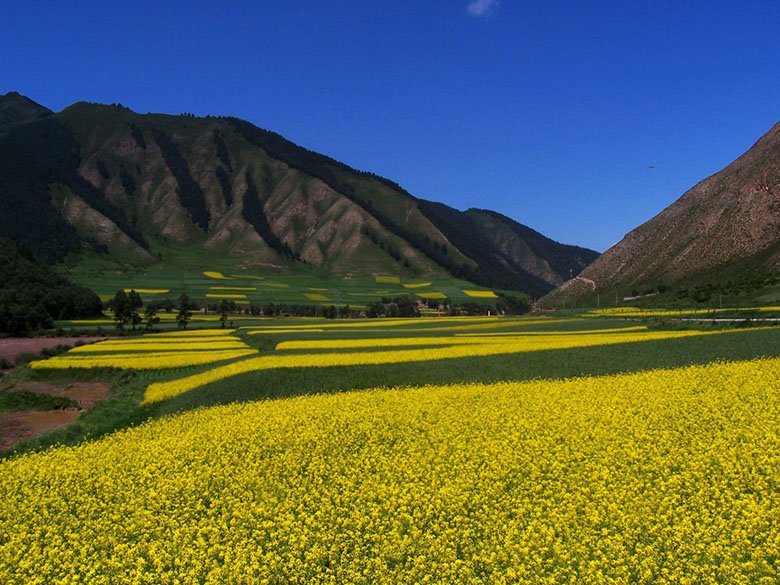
{"x":17,"y":400}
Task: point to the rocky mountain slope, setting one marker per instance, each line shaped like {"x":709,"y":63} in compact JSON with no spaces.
{"x":126,"y":185}
{"x":725,"y":227}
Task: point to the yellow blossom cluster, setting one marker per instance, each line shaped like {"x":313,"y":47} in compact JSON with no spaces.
{"x":666,"y":476}
{"x":649,"y":312}
{"x":481,"y":294}
{"x":153,"y":352}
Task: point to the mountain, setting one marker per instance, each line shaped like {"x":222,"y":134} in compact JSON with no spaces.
{"x":726,"y":227}
{"x":16,"y":109}
{"x":132,"y":187}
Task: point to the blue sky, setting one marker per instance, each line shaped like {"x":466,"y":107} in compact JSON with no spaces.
{"x":549,"y":112}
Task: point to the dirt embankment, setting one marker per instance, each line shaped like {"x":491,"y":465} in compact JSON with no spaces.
{"x":12,"y":347}
{"x":16,"y":426}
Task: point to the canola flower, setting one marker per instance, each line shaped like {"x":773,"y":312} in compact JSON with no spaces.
{"x":193,"y":333}
{"x":417,"y":285}
{"x":233,"y":288}
{"x":149,"y":291}
{"x":482,"y":294}
{"x":225,"y":296}
{"x":665,"y":476}
{"x":372,"y":323}
{"x":212,"y":343}
{"x":605,"y":335}
{"x":215,"y":275}
{"x":316,"y":297}
{"x":387,"y":279}
{"x":142,"y":360}
{"x":154,"y":352}
{"x":164,"y":390}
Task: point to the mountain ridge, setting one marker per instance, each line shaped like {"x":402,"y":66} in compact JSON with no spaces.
{"x":124,"y":184}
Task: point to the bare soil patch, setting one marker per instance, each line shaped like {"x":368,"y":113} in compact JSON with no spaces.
{"x":11,"y":347}
{"x":16,"y":426}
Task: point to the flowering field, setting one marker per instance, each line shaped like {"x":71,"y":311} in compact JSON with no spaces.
{"x":653,"y":477}
{"x":154,"y":352}
{"x":446,"y":450}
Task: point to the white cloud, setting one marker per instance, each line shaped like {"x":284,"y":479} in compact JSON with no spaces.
{"x":482,"y":7}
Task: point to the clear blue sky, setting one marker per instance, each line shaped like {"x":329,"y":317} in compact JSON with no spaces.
{"x":551,"y":113}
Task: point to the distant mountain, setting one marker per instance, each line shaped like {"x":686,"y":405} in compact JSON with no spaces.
{"x":725,"y":227}
{"x":133,"y":186}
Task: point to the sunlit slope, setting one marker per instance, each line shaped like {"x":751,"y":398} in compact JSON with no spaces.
{"x":722,"y":230}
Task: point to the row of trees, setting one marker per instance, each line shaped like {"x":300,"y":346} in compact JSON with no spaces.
{"x":126,"y":308}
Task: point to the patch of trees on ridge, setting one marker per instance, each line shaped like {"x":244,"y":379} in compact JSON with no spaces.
{"x":32,"y":295}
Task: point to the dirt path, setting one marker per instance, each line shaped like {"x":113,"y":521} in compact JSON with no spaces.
{"x":11,"y":347}
{"x":16,"y":426}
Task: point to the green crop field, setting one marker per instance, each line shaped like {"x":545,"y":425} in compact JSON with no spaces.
{"x":594,"y":447}
{"x":207,"y":279}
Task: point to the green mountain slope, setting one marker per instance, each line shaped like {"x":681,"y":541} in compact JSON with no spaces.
{"x":132,"y":186}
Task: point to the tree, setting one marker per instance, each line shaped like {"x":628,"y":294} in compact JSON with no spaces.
{"x":134,"y":302}
{"x":121,"y":306}
{"x":184,"y":314}
{"x":150,"y":313}
{"x":374,"y":309}
{"x":407,"y":308}
{"x":223,"y":311}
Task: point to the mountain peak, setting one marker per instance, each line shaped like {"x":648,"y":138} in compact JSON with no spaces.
{"x":17,"y":109}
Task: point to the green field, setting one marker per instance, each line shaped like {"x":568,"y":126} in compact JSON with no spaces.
{"x":186,"y":271}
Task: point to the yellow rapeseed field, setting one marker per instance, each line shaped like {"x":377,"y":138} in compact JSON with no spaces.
{"x":150,"y":291}
{"x":482,"y":294}
{"x":316,"y":297}
{"x":154,"y":352}
{"x":648,"y":478}
{"x":387,"y":279}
